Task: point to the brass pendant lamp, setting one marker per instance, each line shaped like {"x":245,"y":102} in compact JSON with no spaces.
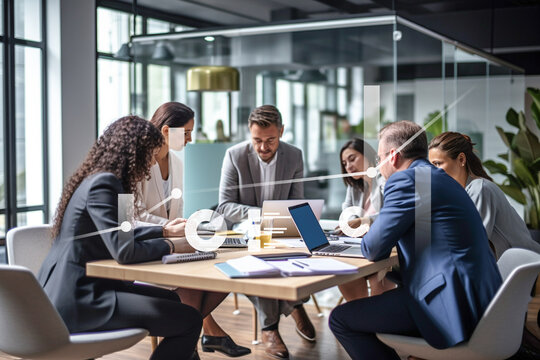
{"x":213,"y":78}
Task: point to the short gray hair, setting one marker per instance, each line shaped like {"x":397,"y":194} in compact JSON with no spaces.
{"x":398,"y":133}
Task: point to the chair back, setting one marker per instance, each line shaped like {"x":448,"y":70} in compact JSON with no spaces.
{"x":28,"y":246}
{"x":29,"y":323}
{"x":500,"y":329}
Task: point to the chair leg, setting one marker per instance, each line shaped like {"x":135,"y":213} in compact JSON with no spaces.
{"x":319,"y":312}
{"x":236,"y":309}
{"x":154,"y":342}
{"x":255,"y":341}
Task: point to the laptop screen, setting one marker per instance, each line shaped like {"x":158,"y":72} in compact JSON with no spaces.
{"x":308,"y":226}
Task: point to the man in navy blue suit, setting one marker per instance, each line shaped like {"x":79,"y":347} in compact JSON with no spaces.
{"x":449,"y":275}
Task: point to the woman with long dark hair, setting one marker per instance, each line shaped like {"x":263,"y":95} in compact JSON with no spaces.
{"x":174,"y":119}
{"x":87,"y":228}
{"x":356,"y":157}
{"x":454,"y":153}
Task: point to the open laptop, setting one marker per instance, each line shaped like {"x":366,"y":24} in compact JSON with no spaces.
{"x":314,"y":237}
{"x":279,"y":209}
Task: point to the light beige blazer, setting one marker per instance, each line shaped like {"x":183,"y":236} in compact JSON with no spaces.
{"x":151,"y":193}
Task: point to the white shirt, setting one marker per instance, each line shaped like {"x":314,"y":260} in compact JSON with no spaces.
{"x":167,"y":191}
{"x":268,"y":175}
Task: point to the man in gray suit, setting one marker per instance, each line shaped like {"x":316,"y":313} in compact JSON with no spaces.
{"x":264,"y":160}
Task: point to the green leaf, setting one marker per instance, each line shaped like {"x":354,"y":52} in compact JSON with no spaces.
{"x":495,"y":168}
{"x":535,"y":112}
{"x":527,"y":145}
{"x":522,"y":121}
{"x":535,"y":95}
{"x":514,"y":193}
{"x":535,"y":166}
{"x":514,"y":181}
{"x":512,"y":117}
{"x":503,"y":156}
{"x":505,"y":136}
{"x":523,"y":173}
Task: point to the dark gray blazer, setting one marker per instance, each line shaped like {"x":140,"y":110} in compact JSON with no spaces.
{"x":241,"y":167}
{"x":86,"y":303}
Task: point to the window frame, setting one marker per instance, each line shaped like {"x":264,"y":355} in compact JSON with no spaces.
{"x":10,"y":42}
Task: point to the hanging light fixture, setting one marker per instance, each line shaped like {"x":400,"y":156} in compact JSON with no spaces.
{"x":126,"y":50}
{"x":213,"y":78}
{"x":162,"y":52}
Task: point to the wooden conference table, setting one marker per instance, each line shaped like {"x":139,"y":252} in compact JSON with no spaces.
{"x":203,"y":275}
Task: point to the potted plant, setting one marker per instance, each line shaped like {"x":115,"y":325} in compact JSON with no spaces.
{"x":522,"y":181}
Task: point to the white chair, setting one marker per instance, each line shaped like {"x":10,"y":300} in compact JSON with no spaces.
{"x":28,"y":245}
{"x":499,"y":331}
{"x":30,"y":326}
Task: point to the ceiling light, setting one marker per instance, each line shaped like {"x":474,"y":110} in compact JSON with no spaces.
{"x":213,"y":78}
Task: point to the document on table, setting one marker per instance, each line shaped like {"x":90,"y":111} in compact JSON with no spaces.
{"x":291,"y":242}
{"x":313,"y":266}
{"x":247,"y":266}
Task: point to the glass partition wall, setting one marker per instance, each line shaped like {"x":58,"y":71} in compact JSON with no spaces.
{"x":324,"y":76}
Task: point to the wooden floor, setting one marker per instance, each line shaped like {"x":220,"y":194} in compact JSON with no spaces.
{"x":239,"y":327}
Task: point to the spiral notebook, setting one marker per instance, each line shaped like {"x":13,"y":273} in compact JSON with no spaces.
{"x":179,"y":258}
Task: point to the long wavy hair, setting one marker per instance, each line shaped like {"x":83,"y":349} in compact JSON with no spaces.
{"x":125,"y":149}
{"x":453,"y":144}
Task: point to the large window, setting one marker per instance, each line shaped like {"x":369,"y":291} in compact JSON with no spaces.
{"x":23,"y":162}
{"x":124,"y":86}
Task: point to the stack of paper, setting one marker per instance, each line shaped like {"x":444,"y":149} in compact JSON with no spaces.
{"x":247,"y":266}
{"x":313,"y":266}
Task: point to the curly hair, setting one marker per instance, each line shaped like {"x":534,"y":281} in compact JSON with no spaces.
{"x":125,"y":149}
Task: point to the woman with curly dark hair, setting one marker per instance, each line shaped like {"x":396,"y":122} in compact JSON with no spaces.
{"x":87,"y":227}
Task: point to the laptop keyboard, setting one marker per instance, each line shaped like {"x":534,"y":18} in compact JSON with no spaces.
{"x":334,"y":248}
{"x":234,"y":242}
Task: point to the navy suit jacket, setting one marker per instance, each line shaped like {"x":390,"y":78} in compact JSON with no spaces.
{"x":86,"y":303}
{"x":447,"y":267}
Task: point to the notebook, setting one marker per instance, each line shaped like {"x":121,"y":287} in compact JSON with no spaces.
{"x":315,"y":266}
{"x":179,"y":258}
{"x":247,"y":266}
{"x":279,"y":210}
{"x":314,"y":237}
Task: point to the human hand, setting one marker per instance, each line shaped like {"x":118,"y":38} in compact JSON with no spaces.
{"x":175,"y":228}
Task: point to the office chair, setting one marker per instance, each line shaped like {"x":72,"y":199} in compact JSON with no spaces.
{"x":499,"y":331}
{"x":28,"y":246}
{"x":30,"y":326}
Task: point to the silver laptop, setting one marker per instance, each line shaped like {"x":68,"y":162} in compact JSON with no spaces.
{"x":279,"y":210}
{"x":314,"y":237}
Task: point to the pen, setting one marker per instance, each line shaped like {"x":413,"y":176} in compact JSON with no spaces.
{"x":302,"y":263}
{"x":295,"y":264}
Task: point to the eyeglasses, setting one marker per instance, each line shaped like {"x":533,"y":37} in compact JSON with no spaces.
{"x":378,"y":158}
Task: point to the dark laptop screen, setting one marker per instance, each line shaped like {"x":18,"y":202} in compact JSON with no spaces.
{"x":308,"y":226}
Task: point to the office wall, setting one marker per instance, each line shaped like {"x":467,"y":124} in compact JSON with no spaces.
{"x":71,"y":90}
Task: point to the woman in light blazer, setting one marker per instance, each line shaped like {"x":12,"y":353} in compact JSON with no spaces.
{"x":165,"y":176}
{"x":357,"y":156}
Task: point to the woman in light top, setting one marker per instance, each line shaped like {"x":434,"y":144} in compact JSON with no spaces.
{"x":454,"y":153}
{"x":165,"y":176}
{"x":365,"y":192}
{"x":167,"y":173}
